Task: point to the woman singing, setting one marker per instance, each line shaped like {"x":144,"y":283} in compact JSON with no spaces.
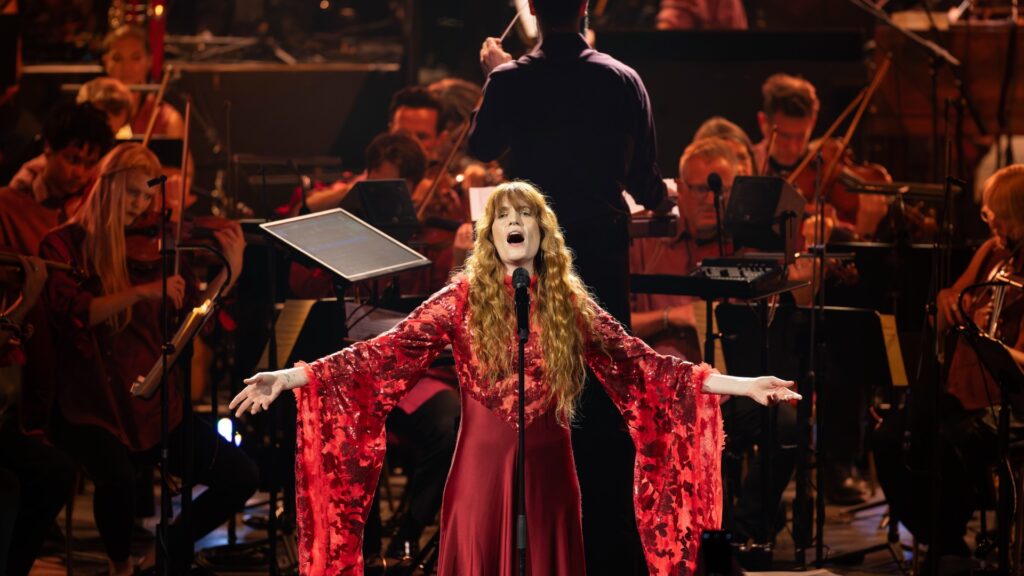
{"x":111,"y":326}
{"x":667,"y":403}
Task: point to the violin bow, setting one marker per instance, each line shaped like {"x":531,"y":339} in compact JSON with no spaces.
{"x":855,"y":122}
{"x":859,"y":103}
{"x":156,"y":106}
{"x":183,"y":188}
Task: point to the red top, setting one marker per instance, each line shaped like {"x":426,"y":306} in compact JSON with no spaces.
{"x":98,"y":366}
{"x":676,"y":428}
{"x":23,"y":223}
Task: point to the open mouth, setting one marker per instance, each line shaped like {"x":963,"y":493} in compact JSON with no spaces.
{"x":515,"y":238}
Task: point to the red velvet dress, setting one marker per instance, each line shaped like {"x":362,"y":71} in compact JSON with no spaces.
{"x":677,"y":430}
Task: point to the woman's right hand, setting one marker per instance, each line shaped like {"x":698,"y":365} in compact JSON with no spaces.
{"x":264,"y":388}
{"x":154,"y":290}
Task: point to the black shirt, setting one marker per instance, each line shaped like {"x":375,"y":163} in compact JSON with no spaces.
{"x":577,"y":123}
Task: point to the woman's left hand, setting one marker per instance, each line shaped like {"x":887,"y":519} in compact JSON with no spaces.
{"x":768,"y":390}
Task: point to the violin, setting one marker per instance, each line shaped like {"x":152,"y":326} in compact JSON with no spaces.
{"x":835,"y":185}
{"x":143,"y":243}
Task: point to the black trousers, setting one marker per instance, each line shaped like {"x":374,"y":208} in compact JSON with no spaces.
{"x":230,"y":476}
{"x":967,"y":452}
{"x":602,"y":448}
{"x":35,"y":481}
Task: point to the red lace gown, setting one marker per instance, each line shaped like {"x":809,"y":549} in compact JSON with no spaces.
{"x":677,"y":430}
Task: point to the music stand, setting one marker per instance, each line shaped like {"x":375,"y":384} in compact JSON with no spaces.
{"x":347,"y":246}
{"x":763,"y":213}
{"x":384,"y":204}
{"x":788,"y":336}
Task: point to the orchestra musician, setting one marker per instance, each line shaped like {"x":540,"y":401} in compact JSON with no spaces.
{"x":45,"y":193}
{"x":345,"y":397}
{"x":966,"y":409}
{"x":35,"y":477}
{"x":110,"y":322}
{"x":126,"y":57}
{"x":578,"y":123}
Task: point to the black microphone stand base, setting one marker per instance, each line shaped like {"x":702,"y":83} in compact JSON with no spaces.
{"x":755,"y":557}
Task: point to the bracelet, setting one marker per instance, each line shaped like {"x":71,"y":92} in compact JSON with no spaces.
{"x":664,"y":318}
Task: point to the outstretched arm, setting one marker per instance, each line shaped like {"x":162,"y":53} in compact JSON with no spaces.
{"x":374,"y":372}
{"x":764,"y":390}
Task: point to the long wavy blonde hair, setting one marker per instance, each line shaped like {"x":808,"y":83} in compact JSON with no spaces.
{"x":102,"y":216}
{"x":561,"y":304}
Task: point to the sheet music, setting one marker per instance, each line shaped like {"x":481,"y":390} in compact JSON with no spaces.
{"x":478,"y":200}
{"x":892,"y":350}
{"x":287,"y":328}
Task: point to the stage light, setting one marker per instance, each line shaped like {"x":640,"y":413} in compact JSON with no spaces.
{"x":226,"y":429}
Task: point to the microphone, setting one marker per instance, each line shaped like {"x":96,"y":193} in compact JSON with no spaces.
{"x":715,"y":183}
{"x":521,"y":283}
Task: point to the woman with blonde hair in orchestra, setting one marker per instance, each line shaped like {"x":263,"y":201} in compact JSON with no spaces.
{"x":669,"y":405}
{"x":110,"y":322}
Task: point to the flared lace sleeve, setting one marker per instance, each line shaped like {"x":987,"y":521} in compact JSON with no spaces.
{"x":677,"y":430}
{"x":341,"y":440}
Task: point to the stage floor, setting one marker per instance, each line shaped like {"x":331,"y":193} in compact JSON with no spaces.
{"x":843,"y":533}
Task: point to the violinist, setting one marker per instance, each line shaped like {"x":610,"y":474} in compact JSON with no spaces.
{"x":75,"y":136}
{"x":126,"y":57}
{"x":967,"y":408}
{"x":790,"y":111}
{"x":111,"y":321}
{"x":35,"y":477}
{"x":43,"y":196}
{"x":787,"y":119}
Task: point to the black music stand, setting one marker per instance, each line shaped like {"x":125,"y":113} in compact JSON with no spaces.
{"x":763,"y":213}
{"x":788,"y":337}
{"x":995,"y":358}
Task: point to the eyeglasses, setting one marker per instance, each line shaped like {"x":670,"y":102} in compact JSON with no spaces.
{"x":699,"y":190}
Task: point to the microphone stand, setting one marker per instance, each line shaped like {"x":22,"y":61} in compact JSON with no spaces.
{"x":163,"y":559}
{"x":523,"y":334}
